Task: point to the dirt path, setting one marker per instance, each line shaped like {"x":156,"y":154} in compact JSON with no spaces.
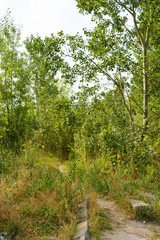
{"x":123,"y":227}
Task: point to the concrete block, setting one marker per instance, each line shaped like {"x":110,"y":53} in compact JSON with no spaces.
{"x":82,"y":214}
{"x":140,"y":207}
{"x":82,"y":204}
{"x":82,"y":211}
{"x":84,"y":237}
{"x":82,"y":231}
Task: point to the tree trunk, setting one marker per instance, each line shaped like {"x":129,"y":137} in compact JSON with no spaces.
{"x":36,"y":95}
{"x":145,"y":92}
{"x":6,"y":98}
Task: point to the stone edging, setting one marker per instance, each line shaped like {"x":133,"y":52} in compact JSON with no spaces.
{"x":82,"y":231}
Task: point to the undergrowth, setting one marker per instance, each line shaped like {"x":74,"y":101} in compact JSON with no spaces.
{"x":36,"y":200}
{"x":120,"y":182}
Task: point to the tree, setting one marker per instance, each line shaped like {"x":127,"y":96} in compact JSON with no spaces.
{"x":16,"y":97}
{"x":10,"y":36}
{"x":92,"y":63}
{"x":47,"y":70}
{"x":9,"y":64}
{"x":44,"y":63}
{"x":133,"y":24}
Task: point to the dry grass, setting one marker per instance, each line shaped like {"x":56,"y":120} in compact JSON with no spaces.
{"x":94,"y":211}
{"x":38,"y":202}
{"x":99,"y":219}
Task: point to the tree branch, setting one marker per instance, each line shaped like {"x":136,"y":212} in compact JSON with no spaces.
{"x":135,"y":24}
{"x":116,"y":83}
{"x":147,"y":36}
{"x":134,"y":40}
{"x":123,"y":5}
{"x":131,"y":96}
{"x":112,"y":79}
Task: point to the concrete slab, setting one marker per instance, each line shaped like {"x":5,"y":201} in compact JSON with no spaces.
{"x":126,"y":229}
{"x":121,"y":234}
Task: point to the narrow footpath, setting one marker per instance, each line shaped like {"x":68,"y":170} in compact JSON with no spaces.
{"x":123,"y":228}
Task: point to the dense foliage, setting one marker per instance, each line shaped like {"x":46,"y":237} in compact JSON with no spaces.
{"x":37,"y":104}
{"x":112,"y":122}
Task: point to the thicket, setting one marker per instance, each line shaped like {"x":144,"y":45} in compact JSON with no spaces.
{"x":108,"y":131}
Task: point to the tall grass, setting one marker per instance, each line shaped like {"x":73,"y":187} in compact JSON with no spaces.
{"x":36,"y":200}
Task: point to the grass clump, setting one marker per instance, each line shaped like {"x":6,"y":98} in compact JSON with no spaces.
{"x":98,"y":218}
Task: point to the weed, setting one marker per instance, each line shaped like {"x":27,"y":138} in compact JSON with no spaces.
{"x":104,"y":221}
